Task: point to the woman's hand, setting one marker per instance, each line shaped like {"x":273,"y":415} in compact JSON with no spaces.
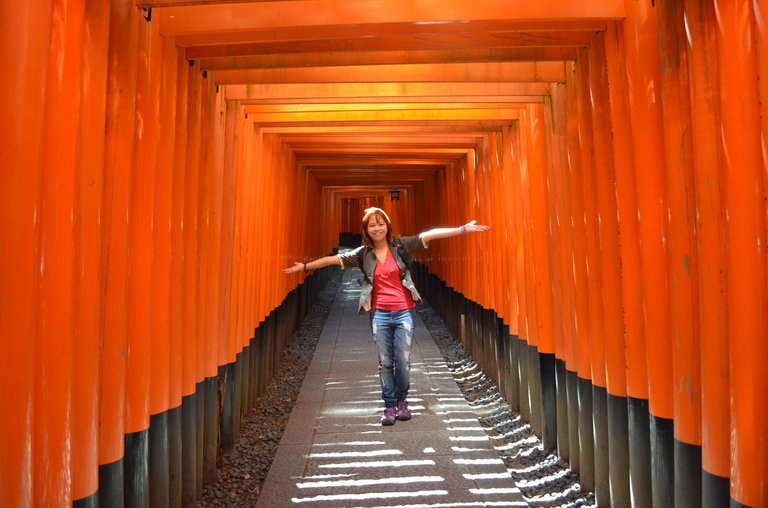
{"x":472,"y":227}
{"x":297,"y":267}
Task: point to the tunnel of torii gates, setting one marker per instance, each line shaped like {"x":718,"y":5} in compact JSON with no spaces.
{"x":164,"y":160}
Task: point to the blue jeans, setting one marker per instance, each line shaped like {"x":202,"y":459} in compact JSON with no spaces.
{"x":393,"y":334}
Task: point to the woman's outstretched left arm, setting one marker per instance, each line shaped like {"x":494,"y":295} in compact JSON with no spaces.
{"x":469,"y":227}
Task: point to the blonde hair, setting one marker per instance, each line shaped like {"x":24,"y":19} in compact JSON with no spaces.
{"x":367,"y":216}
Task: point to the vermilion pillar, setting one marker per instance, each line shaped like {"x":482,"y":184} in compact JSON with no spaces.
{"x":683,"y":259}
{"x":118,"y":161}
{"x":629,"y":250}
{"x":540,"y":216}
{"x":181,"y":387}
{"x":615,"y":481}
{"x":591,"y":135}
{"x":164,"y":60}
{"x":642,"y":67}
{"x":192,"y":386}
{"x":745,"y":198}
{"x":583,"y":458}
{"x":89,"y":219}
{"x":566,"y":396}
{"x":139,"y":281}
{"x":53,"y":341}
{"x":22,"y":97}
{"x":710,"y":226}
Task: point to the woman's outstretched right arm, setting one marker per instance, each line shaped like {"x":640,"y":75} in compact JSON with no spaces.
{"x":313,"y":265}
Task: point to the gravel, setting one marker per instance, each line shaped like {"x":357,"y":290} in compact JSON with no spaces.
{"x":544,"y":479}
{"x":241,"y":473}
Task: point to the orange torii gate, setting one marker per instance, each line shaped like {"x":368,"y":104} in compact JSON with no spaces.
{"x":164,"y":159}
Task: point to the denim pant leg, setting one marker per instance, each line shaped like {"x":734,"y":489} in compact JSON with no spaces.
{"x":393,"y":334}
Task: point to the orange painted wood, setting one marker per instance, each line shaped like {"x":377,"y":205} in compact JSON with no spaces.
{"x":238,"y":17}
{"x":191,"y":373}
{"x":710,"y":239}
{"x":761,"y":26}
{"x":626,"y":201}
{"x":546,"y":71}
{"x":251,"y":311}
{"x":642,"y":62}
{"x":510,"y":224}
{"x":539,"y":202}
{"x":164,"y":61}
{"x":745,"y":195}
{"x":22,"y":97}
{"x":238,"y":263}
{"x":387,"y":92}
{"x":612,"y":318}
{"x":467,"y":192}
{"x":528,"y":291}
{"x":304,"y":47}
{"x":55,"y":347}
{"x":499,"y":33}
{"x":564,"y":341}
{"x":53,"y":340}
{"x":331,"y":58}
{"x":229,"y":150}
{"x":140,"y":244}
{"x":86,"y":349}
{"x":556,"y":125}
{"x":263,"y":226}
{"x":683,"y":269}
{"x":118,"y":161}
{"x":178,"y":384}
{"x":499,"y":225}
{"x":591,"y":327}
{"x":213,"y":176}
{"x":579,"y":263}
{"x":146,"y":209}
{"x":761,"y":32}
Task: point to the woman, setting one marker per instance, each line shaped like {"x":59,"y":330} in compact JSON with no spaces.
{"x":389,"y":293}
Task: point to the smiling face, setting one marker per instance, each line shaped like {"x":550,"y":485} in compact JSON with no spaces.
{"x":376,"y":227}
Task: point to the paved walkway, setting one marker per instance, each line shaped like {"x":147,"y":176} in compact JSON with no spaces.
{"x":335,"y":453}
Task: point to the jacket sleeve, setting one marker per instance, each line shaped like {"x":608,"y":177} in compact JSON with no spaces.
{"x":413,"y":243}
{"x":348,"y":259}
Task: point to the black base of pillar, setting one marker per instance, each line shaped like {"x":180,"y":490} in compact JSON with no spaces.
{"x":91,"y":501}
{"x":618,"y":450}
{"x":586,"y":437}
{"x":534,"y":390}
{"x":111,"y":484}
{"x":548,"y":401}
{"x":639,"y":452}
{"x":600,"y":434}
{"x":715,"y":490}
{"x":136,"y":487}
{"x":571,"y":387}
{"x":226,"y":378}
{"x":211,"y":426}
{"x":158,"y":460}
{"x":687,"y":475}
{"x":189,"y":449}
{"x":174,"y":457}
{"x":662,"y":461}
{"x":562,"y":410}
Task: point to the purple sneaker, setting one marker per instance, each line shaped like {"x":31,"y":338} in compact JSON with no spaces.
{"x":403,"y":413}
{"x":390,"y":415}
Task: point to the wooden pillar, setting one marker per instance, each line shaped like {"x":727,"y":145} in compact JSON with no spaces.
{"x":745,"y":196}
